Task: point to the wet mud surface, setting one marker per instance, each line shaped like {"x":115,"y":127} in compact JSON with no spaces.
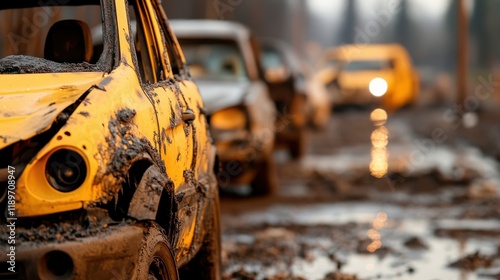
{"x":375,"y":199}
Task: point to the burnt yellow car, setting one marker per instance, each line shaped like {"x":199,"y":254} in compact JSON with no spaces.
{"x":106,"y":163}
{"x":370,"y":74}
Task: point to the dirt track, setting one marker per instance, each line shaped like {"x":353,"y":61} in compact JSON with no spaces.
{"x":433,"y":214}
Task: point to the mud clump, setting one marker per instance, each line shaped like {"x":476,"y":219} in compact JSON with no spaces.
{"x":339,"y":276}
{"x":416,"y":244}
{"x":241,"y":274}
{"x":21,"y":64}
{"x":60,"y":228}
{"x":473,"y":262}
{"x":125,"y":115}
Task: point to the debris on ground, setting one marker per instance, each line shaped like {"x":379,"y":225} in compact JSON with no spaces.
{"x":416,"y":244}
{"x":339,"y":276}
{"x":473,"y":262}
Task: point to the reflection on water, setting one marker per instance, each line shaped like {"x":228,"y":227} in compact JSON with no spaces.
{"x":374,"y":233}
{"x":380,"y":138}
{"x":379,"y":117}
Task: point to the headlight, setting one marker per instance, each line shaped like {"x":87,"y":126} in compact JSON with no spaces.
{"x":378,"y":87}
{"x":234,"y":118}
{"x":66,"y":170}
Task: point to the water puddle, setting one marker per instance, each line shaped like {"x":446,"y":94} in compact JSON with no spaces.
{"x":371,"y":240}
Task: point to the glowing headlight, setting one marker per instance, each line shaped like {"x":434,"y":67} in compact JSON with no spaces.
{"x":378,"y":87}
{"x":229,"y":119}
{"x":66,"y":170}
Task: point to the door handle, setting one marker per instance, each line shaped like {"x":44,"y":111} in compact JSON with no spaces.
{"x":188,"y":116}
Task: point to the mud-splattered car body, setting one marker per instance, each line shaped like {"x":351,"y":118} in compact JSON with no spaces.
{"x":106,"y":148}
{"x":352,"y":71}
{"x":223,"y":60}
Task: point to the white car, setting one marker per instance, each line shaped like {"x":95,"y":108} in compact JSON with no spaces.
{"x":223,"y":61}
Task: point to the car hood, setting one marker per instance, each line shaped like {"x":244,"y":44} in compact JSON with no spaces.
{"x":218,"y":95}
{"x":29,"y":103}
{"x":361,"y":79}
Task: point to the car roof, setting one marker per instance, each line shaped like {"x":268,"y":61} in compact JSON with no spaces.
{"x":209,"y":29}
{"x":366,"y":51}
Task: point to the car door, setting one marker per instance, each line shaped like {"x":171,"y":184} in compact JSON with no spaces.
{"x":178,"y":107}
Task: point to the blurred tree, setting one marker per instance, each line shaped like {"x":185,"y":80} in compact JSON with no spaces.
{"x":452,"y":27}
{"x":349,"y":23}
{"x":403,"y":30}
{"x":484,"y":27}
{"x":479,"y":31}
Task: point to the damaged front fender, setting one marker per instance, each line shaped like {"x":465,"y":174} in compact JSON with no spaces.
{"x":146,"y":200}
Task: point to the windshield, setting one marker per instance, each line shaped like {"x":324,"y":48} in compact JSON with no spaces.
{"x":368,"y":65}
{"x":214,"y":59}
{"x":271,"y":59}
{"x":38,"y":37}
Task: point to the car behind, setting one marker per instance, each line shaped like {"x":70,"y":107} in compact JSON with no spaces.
{"x":223,"y":60}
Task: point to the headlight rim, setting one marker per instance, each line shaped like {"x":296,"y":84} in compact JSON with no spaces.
{"x":82,"y":166}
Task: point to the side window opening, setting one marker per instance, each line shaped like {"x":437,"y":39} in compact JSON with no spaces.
{"x":175,"y":61}
{"x":148,"y":59}
{"x":60,"y":38}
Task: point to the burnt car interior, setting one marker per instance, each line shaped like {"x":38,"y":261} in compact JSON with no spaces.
{"x":69,"y":41}
{"x":47,"y":37}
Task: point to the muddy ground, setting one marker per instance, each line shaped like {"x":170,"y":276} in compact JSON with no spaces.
{"x":415,"y":196}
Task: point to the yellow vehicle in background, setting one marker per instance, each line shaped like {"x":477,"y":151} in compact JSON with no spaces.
{"x":370,"y":74}
{"x":106,"y":162}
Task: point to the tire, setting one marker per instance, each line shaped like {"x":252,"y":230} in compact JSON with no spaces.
{"x":156,"y":260}
{"x":297,"y":146}
{"x":207,"y":262}
{"x":265,"y":182}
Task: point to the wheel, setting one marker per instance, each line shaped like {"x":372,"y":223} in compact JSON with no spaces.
{"x":265,"y":182}
{"x":156,"y":260}
{"x":207,"y":262}
{"x":297,"y":146}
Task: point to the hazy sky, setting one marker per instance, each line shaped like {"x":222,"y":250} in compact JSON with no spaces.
{"x":431,"y":9}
